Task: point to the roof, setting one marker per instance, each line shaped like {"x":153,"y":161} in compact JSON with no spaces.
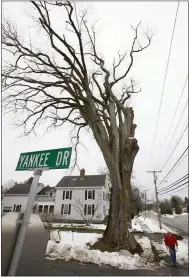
{"x":82,"y":181}
{"x":46,"y":189}
{"x":20,"y":188}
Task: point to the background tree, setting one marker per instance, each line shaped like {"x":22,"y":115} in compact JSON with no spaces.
{"x":72,"y":83}
{"x":165,"y":207}
{"x":176,"y":201}
{"x":8,"y":185}
{"x":81,"y":209}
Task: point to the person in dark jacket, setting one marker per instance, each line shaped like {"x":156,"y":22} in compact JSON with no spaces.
{"x":171,"y":243}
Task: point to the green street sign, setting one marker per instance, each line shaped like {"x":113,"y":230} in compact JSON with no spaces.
{"x":51,"y":159}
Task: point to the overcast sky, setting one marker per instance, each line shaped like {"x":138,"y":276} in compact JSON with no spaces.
{"x":114,"y":33}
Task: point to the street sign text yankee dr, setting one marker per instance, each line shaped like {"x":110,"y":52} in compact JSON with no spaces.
{"x":52,"y":159}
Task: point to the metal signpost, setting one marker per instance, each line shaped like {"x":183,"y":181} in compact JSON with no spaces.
{"x":37,"y":162}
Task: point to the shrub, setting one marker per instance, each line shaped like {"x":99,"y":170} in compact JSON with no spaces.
{"x":178,"y":210}
{"x":169,"y":210}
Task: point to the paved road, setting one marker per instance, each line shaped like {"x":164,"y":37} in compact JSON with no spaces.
{"x":73,"y":268}
{"x":178,"y":222}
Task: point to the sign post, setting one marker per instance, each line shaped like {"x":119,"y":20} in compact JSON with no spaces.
{"x":36,"y":161}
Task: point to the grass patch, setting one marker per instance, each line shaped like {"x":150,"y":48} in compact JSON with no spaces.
{"x":75,"y":229}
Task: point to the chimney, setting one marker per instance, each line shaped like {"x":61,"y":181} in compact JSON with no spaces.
{"x":82,"y":172}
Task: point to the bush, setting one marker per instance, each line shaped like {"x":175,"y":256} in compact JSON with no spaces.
{"x":178,"y":210}
{"x":169,"y":210}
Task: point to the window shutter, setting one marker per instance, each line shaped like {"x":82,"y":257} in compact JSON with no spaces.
{"x":63,"y":195}
{"x":86,"y":195}
{"x":62,"y":209}
{"x":85,"y":210}
{"x":69,"y":209}
{"x":93,"y":208}
{"x":93,"y":194}
{"x":70,"y":194}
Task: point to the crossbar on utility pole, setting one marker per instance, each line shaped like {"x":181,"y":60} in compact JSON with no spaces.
{"x":24,"y":224}
{"x":157,"y":200}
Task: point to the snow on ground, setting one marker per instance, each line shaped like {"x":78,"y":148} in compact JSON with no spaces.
{"x":136,"y":226}
{"x":153,"y":225}
{"x":78,"y":239}
{"x":181,"y":254}
{"x":146,"y":246}
{"x":77,"y":248}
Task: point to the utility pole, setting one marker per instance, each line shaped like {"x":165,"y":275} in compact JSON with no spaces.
{"x":145,"y":202}
{"x":157,"y":200}
{"x":24,"y":225}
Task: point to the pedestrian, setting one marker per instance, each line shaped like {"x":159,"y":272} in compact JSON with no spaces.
{"x":171,"y":244}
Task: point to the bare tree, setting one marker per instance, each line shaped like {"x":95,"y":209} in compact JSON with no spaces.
{"x":64,"y":87}
{"x":8,"y":185}
{"x":79,"y":207}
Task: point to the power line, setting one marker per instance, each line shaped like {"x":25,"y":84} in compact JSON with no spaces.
{"x":165,"y":79}
{"x":179,"y":163}
{"x":153,"y":195}
{"x":179,"y":190}
{"x":176,"y":109}
{"x":173,"y":166}
{"x":174,"y":147}
{"x":176,"y":128}
{"x":173,"y":189}
{"x":175,"y":183}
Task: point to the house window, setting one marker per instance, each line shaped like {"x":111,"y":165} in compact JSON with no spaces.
{"x":51,"y":209}
{"x":51,"y":194}
{"x":66,"y":209}
{"x":67,"y":194}
{"x":89,"y":209}
{"x":7,"y":209}
{"x":46,"y":209}
{"x":89,"y":194}
{"x":17,"y":208}
{"x":40,"y":210}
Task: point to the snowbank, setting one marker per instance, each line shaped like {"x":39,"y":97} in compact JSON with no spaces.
{"x":78,"y":239}
{"x":76,"y":248}
{"x":146,"y":246}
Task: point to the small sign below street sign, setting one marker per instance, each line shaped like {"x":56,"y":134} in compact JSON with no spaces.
{"x":51,"y":159}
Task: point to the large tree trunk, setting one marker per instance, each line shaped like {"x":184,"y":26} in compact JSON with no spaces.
{"x":117,"y":234}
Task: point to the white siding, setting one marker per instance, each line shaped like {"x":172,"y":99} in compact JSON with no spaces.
{"x":79,"y":193}
{"x":10,"y":201}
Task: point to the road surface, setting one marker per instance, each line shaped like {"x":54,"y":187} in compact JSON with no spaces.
{"x":179,"y":222}
{"x":73,"y":268}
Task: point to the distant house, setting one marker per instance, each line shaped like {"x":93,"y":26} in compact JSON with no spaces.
{"x":82,"y":197}
{"x":15,"y":199}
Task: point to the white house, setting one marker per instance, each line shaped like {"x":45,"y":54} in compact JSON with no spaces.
{"x":15,"y":199}
{"x":83,"y":197}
